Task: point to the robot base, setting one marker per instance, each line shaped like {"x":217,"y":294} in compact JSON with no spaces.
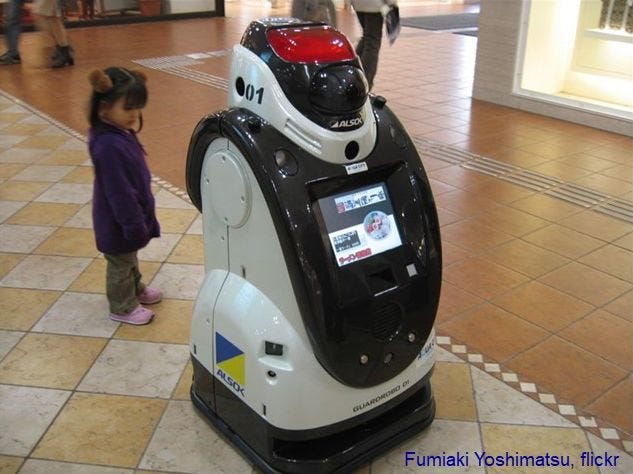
{"x":339,"y":448}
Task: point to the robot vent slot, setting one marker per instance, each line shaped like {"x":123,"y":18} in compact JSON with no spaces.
{"x":301,"y":136}
{"x":386,"y":321}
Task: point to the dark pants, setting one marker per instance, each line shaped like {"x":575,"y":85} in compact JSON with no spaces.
{"x":369,"y":45}
{"x":123,"y":282}
{"x":12,"y":26}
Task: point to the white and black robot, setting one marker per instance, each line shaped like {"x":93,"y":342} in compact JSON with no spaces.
{"x":312,"y":338}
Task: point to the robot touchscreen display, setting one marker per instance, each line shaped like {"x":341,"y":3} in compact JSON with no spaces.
{"x":360,"y":223}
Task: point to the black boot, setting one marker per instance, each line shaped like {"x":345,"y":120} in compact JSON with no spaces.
{"x":64,"y":58}
{"x":57,"y":53}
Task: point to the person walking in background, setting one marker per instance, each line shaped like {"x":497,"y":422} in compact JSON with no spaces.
{"x":12,"y":28}
{"x":314,"y":10}
{"x":50,"y":15}
{"x":370,"y":16}
{"x":123,"y":206}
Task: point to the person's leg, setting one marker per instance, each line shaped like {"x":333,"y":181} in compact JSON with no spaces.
{"x":12,"y":29}
{"x":122,"y":279}
{"x":369,"y":46}
{"x":58,"y":31}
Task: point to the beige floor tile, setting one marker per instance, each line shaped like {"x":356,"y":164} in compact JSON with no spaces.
{"x":22,"y":238}
{"x":80,"y":175}
{"x":67,"y":193}
{"x":20,"y":308}
{"x":624,"y":462}
{"x":45,"y":272}
{"x":564,"y":241}
{"x":181,"y":392}
{"x":47,"y":173}
{"x":92,"y":280}
{"x":69,"y":242}
{"x":44,"y":214}
{"x":10,"y":169}
{"x":25,"y":414}
{"x":10,"y":464}
{"x":48,"y":142}
{"x":453,"y":392}
{"x":171,"y":324}
{"x":498,"y":402}
{"x":24,"y":128}
{"x":179,"y":281}
{"x":41,"y":466}
{"x":535,"y":441}
{"x":78,"y":314}
{"x":137,"y":368}
{"x":583,"y":282}
{"x":184,"y":442}
{"x":21,"y":190}
{"x":65,"y":157}
{"x":49,"y":360}
{"x":82,"y":219}
{"x":175,"y":221}
{"x":190,"y":249}
{"x":12,"y":117}
{"x":8,"y":208}
{"x":8,"y":340}
{"x":101,"y":429}
{"x":158,"y":250}
{"x":8,"y":261}
{"x":543,"y":305}
{"x":20,"y":155}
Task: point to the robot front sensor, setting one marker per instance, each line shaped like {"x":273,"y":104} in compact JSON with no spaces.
{"x":312,"y":337}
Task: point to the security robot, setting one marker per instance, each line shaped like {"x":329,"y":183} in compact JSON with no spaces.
{"x":312,"y":338}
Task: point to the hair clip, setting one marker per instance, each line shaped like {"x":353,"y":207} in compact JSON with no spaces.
{"x":140,"y":74}
{"x":100,"y":81}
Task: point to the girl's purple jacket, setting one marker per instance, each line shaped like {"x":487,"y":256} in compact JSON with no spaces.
{"x":123,"y":209}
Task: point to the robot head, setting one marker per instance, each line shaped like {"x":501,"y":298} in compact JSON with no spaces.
{"x":316,"y":67}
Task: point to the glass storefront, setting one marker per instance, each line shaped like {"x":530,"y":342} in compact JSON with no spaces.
{"x":90,"y":12}
{"x":578,"y":53}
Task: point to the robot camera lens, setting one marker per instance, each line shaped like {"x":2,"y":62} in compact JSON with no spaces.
{"x":240,"y":87}
{"x":351,"y":150}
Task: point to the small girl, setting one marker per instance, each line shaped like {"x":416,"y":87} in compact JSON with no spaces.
{"x":123,"y":210}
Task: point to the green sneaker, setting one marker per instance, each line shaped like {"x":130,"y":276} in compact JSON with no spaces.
{"x":8,"y":58}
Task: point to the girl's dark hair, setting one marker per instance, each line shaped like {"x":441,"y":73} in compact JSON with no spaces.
{"x":110,"y":84}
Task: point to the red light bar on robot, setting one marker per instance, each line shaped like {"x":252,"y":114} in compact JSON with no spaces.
{"x":310,"y":44}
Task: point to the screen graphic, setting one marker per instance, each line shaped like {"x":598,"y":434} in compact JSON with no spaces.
{"x":360,"y":223}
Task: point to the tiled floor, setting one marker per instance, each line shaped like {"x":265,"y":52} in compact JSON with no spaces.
{"x":535,"y":327}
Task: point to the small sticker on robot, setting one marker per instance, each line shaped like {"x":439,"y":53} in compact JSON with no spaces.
{"x":356,"y":168}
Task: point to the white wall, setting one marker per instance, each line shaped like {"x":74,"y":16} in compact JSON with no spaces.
{"x":499,"y":76}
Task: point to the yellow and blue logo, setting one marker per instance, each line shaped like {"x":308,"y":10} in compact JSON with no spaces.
{"x":231,"y":364}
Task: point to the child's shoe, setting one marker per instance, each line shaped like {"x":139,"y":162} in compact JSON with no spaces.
{"x":138,"y":316}
{"x":150,"y":296}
